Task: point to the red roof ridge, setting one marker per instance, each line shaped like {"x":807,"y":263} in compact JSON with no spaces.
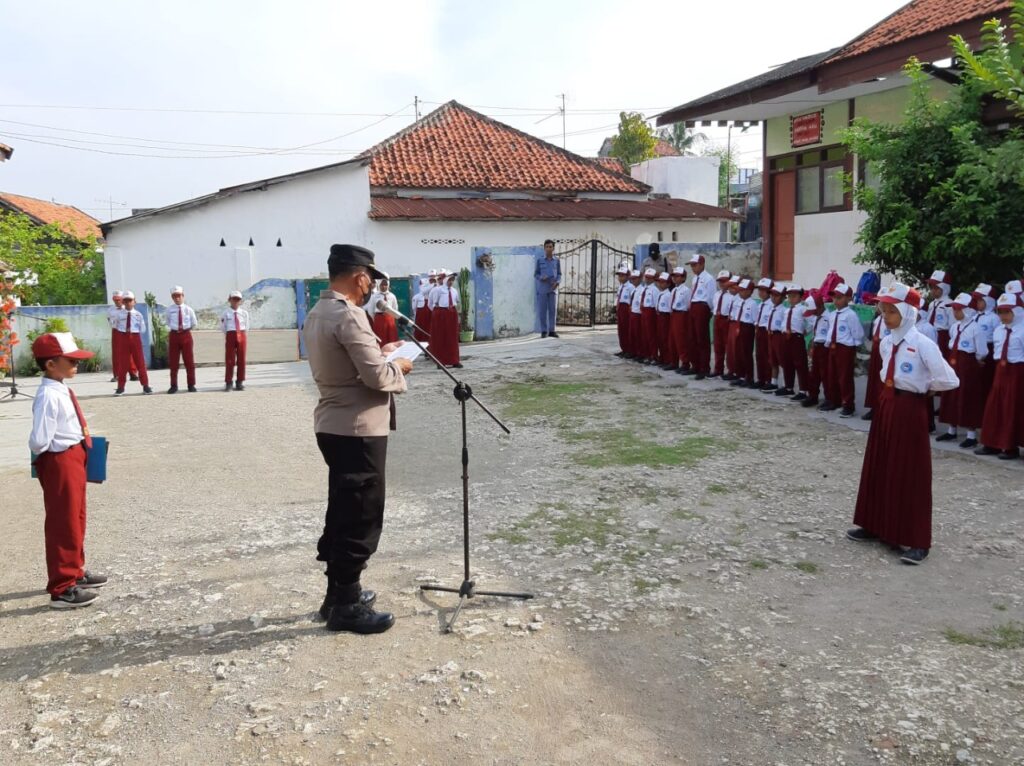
{"x":69,"y":218}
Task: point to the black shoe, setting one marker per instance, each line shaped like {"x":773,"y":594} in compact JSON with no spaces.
{"x":681,"y":371}
{"x":827,"y":406}
{"x":868,"y":415}
{"x":784,"y":392}
{"x":914,"y":556}
{"x":227,"y":386}
{"x":714,"y":375}
{"x":728,"y":376}
{"x":1010,"y":454}
{"x":847,"y":412}
{"x":192,"y":389}
{"x":687,"y":371}
{"x":738,"y":382}
{"x":118,"y":391}
{"x":91,"y":580}
{"x":543,"y":335}
{"x":552,"y":334}
{"x":172,"y":390}
{"x":239,"y":385}
{"x":147,"y":390}
{"x":768,"y":388}
{"x":859,"y":535}
{"x":113,"y":379}
{"x":457,"y":365}
{"x":699,"y":376}
{"x":809,"y":402}
{"x":946,"y":437}
{"x":358,"y":618}
{"x":968,"y":443}
{"x":366,"y":598}
{"x":986,"y":451}
{"x":72,"y":598}
{"x":620,"y":354}
{"x":133,"y":378}
{"x":798,"y":397}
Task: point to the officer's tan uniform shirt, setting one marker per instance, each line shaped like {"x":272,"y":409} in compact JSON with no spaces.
{"x":355,"y":382}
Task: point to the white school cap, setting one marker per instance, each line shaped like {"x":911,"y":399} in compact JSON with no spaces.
{"x":765,"y":282}
{"x":128,"y":295}
{"x":649,"y":272}
{"x":623,"y":269}
{"x":842,"y":289}
{"x":939,"y":278}
{"x":663,"y":276}
{"x":963,"y":300}
{"x":432,"y":273}
{"x":723,"y":274}
{"x":794,"y":287}
{"x":634,"y":273}
{"x":234,"y":294}
{"x":1014,"y":286}
{"x":1008,"y":300}
{"x":177,"y":290}
{"x":696,"y":258}
{"x":679,"y":270}
{"x":983,"y":291}
{"x":779,"y":287}
{"x":734,"y":279}
{"x":116,"y":294}
{"x":746,"y":284}
{"x":900,"y":293}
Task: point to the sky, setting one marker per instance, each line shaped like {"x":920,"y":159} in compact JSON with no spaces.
{"x":112,"y":105}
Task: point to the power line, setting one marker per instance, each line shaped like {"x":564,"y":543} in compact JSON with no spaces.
{"x":197,"y":111}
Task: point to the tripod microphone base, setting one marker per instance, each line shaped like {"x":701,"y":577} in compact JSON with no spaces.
{"x":467,"y":591}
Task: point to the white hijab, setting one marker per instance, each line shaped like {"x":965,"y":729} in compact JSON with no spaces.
{"x":909,"y":320}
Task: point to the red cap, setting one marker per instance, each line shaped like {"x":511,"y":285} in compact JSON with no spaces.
{"x":901,"y":294}
{"x":54,"y":344}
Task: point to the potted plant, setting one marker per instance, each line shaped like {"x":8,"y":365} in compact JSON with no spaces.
{"x":465,"y":329}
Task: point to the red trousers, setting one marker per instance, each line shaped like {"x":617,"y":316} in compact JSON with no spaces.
{"x":128,"y":349}
{"x":179,"y":347}
{"x":636,"y":333}
{"x":384,"y":328}
{"x":744,"y":352}
{"x":700,"y":337}
{"x":794,"y":360}
{"x":666,"y":348}
{"x":839,"y":390}
{"x":649,"y":333}
{"x":679,"y":326}
{"x":422,"y":320}
{"x":62,"y":477}
{"x":235,"y":343}
{"x":721,"y":342}
{"x":622,"y":325}
{"x":817,"y":376}
{"x":762,"y":355}
{"x":114,"y":361}
{"x":730,"y":346}
{"x":444,"y":335}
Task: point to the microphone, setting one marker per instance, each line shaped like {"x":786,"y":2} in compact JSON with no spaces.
{"x":382,"y":307}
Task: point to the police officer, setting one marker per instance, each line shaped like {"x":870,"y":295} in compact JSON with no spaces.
{"x":548,"y":273}
{"x":655,"y":260}
{"x":351,"y":421}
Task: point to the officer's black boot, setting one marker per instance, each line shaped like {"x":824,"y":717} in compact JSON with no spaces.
{"x":350,"y":614}
{"x":366,"y":597}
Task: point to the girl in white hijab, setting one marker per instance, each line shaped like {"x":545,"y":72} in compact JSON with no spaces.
{"x":894,"y":503}
{"x":964,"y":406}
{"x":1002,"y":429}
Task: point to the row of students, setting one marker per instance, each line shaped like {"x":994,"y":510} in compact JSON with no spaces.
{"x":436,"y":314}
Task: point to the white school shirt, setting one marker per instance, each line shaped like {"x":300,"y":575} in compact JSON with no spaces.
{"x":763,"y":313}
{"x":748,"y":310}
{"x":635,"y":301}
{"x":919,"y":366}
{"x":681,"y":298}
{"x":987,"y":321}
{"x":703,"y":289}
{"x":55,"y":424}
{"x":848,"y":329}
{"x":664,"y":301}
{"x":819,"y":326}
{"x":1014,"y":349}
{"x":649,"y":296}
{"x":227,"y":320}
{"x":625,"y":292}
{"x":966,"y":336}
{"x":138,"y":324}
{"x":388,"y":297}
{"x":188,"y":317}
{"x":419,"y":300}
{"x":926,"y":329}
{"x":940,"y":314}
{"x":444,"y":297}
{"x":735,"y":307}
{"x":777,"y":317}
{"x":794,"y":319}
{"x":722,"y":304}
{"x":112,"y":314}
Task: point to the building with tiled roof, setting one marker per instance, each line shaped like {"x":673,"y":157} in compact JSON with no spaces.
{"x":5,"y":152}
{"x":71,"y":220}
{"x":809,"y":222}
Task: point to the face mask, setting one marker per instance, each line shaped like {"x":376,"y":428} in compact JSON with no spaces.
{"x":367,"y":294}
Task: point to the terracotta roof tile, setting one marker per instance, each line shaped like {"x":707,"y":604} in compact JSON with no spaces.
{"x":920,"y":17}
{"x":5,"y":152}
{"x":612,"y":163}
{"x":445,"y":209}
{"x":454,"y":147}
{"x":70,"y":219}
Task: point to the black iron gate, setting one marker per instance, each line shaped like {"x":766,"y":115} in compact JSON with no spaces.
{"x":587,"y":293}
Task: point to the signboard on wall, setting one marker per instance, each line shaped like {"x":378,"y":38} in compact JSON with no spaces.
{"x":806,"y":129}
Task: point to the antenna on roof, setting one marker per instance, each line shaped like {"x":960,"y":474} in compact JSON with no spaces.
{"x":562,"y":110}
{"x":416,"y":107}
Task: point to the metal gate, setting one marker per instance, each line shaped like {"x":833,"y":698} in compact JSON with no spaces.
{"x":586,"y":296}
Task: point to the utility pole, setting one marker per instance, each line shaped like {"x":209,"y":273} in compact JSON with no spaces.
{"x":110,"y":202}
{"x":562,"y":96}
{"x":416,"y":106}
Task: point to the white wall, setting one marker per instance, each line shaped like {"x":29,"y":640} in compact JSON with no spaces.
{"x":825,"y":241}
{"x":691,"y":178}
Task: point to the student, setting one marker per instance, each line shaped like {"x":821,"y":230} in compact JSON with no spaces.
{"x":59,"y":442}
{"x":234,"y":323}
{"x":964,"y":406}
{"x":649,"y":317}
{"x":680,"y":321}
{"x":817,"y":325}
{"x":112,"y":313}
{"x":762,"y":337}
{"x":667,"y":356}
{"x":845,"y":334}
{"x":794,"y":355}
{"x":382,"y":323}
{"x":444,"y":320}
{"x":636,"y":328}
{"x":701,"y":301}
{"x":181,"y":320}
{"x":873,"y":383}
{"x":894,"y":503}
{"x":722,"y":309}
{"x":939,"y":314}
{"x":129,"y":327}
{"x":776,"y":327}
{"x":733,"y":334}
{"x":1002,"y":429}
{"x":421,"y":311}
{"x":744,"y":350}
{"x":623,"y":299}
{"x":985,"y":305}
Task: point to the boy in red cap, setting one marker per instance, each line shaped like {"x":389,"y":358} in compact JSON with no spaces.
{"x":128,"y":329}
{"x":59,"y":440}
{"x":845,"y":334}
{"x":722,"y":308}
{"x":234,"y":323}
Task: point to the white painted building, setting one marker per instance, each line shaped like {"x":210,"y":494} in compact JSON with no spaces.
{"x":420,"y":200}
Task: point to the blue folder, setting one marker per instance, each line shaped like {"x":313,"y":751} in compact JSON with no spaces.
{"x":96,"y":462}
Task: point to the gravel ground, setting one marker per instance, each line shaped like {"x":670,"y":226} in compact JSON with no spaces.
{"x":696,"y":601}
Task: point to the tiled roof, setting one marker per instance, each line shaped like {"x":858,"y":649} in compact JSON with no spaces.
{"x":454,"y":147}
{"x":70,"y":219}
{"x":920,"y":17}
{"x":664,"y":149}
{"x":447,"y":209}
{"x":612,"y":163}
{"x":5,"y":152}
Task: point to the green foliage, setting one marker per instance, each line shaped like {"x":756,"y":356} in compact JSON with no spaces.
{"x":682,"y":138}
{"x":462,"y":281}
{"x":158,"y":333}
{"x":1008,"y":636}
{"x":27,"y":367}
{"x":53,"y":269}
{"x":999,"y":67}
{"x":728,"y":162}
{"x":950,"y":192}
{"x":635,"y":140}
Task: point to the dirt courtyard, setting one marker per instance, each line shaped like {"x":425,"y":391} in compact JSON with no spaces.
{"x":696,"y":600}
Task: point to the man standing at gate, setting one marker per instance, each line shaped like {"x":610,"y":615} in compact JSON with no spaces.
{"x":548,"y":274}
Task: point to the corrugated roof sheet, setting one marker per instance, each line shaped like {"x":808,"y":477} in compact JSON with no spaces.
{"x":446,"y":209}
{"x":70,"y":219}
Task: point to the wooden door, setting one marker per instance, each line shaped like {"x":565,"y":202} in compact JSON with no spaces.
{"x":783,"y":222}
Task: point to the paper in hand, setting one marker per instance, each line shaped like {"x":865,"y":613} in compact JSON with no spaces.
{"x":408,"y":351}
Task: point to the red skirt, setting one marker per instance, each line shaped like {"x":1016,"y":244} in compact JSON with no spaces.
{"x":1001,"y":426}
{"x":964,"y":406}
{"x":622,"y":325}
{"x":444,"y":335}
{"x":384,"y":328}
{"x":874,"y":382}
{"x":895,"y":498}
{"x":422,"y":320}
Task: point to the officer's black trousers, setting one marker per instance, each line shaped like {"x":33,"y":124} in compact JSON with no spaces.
{"x":355,"y":504}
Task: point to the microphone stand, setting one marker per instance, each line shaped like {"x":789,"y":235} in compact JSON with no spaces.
{"x":14,"y":393}
{"x":462,"y":393}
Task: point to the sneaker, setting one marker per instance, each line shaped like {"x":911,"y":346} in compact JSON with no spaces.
{"x":113,"y":379}
{"x":769,"y":388}
{"x":859,"y":535}
{"x":552,"y":334}
{"x":809,"y":402}
{"x":72,"y":598}
{"x":366,"y":598}
{"x":239,"y":385}
{"x":847,"y":412}
{"x":728,"y":376}
{"x":687,"y":371}
{"x":91,"y":580}
{"x":986,"y":451}
{"x":968,"y":443}
{"x":699,"y":376}
{"x":118,"y":392}
{"x":133,"y":378}
{"x":227,"y":386}
{"x":784,"y":392}
{"x":172,"y":390}
{"x":798,"y":397}
{"x":192,"y":389}
{"x":358,"y":618}
{"x":946,"y":437}
{"x":457,"y":365}
{"x":543,"y":335}
{"x":1010,"y":454}
{"x":738,"y":382}
{"x":147,"y":390}
{"x":868,"y":415}
{"x":827,"y":406}
{"x":914,"y":556}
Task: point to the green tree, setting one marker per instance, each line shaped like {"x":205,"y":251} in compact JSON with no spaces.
{"x":635,"y":140}
{"x":728,"y":164}
{"x":950,"y":193}
{"x":52,"y":268}
{"x":999,"y":67}
{"x":684,"y":139}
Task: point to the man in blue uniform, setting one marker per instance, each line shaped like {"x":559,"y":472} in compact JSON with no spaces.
{"x":548,"y":273}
